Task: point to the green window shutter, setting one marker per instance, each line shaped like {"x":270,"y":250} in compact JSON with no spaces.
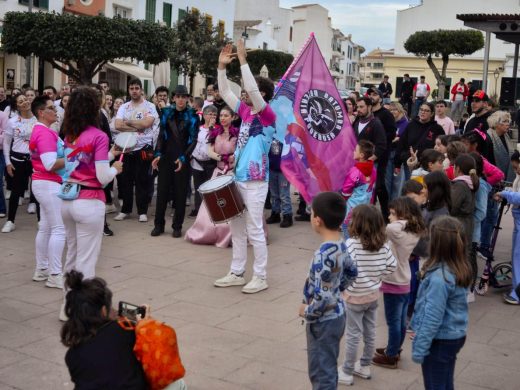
{"x":150,"y":11}
{"x":167,"y":14}
{"x":182,"y":13}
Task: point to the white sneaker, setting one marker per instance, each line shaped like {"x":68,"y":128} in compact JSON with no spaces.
{"x":31,"y":209}
{"x":120,"y":217}
{"x":8,"y":227}
{"x":230,"y":280}
{"x":7,"y":194}
{"x":40,"y":275}
{"x":255,"y":285}
{"x":345,"y":379}
{"x":2,"y":215}
{"x":143,"y":218}
{"x":55,"y":281}
{"x":362,"y":371}
{"x":110,"y":208}
{"x":470,"y":297}
{"x":62,"y":316}
{"x":20,"y":201}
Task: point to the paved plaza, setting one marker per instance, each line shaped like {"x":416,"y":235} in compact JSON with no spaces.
{"x":228,"y":340}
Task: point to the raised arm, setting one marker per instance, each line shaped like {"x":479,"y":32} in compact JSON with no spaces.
{"x":249,"y":80}
{"x":228,"y":96}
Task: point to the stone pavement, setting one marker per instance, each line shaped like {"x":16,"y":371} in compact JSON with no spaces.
{"x":228,"y":340}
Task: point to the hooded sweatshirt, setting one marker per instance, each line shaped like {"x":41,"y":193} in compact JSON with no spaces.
{"x":463,"y":203}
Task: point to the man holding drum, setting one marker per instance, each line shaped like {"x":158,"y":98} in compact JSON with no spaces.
{"x":140,"y":116}
{"x":177,"y":139}
{"x":251,"y":169}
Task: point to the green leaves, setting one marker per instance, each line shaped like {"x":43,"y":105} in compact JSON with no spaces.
{"x":276,"y":62}
{"x":86,"y":40}
{"x":444,"y":42}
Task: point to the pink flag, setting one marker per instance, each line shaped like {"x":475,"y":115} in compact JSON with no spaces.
{"x":313,"y":124}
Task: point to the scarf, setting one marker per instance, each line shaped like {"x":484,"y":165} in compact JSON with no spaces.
{"x":466,"y":179}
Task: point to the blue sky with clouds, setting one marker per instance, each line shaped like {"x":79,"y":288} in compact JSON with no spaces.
{"x":371,"y":22}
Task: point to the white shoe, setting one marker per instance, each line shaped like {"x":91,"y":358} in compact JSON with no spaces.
{"x":40,"y":275}
{"x":31,"y":209}
{"x":143,"y":218}
{"x":362,"y":371}
{"x":62,"y":316}
{"x":255,"y":285}
{"x":55,"y":281}
{"x":120,"y":217}
{"x":345,"y":379}
{"x":470,"y":297}
{"x":110,"y":208}
{"x":20,"y":201}
{"x":8,"y":227}
{"x":2,"y":215}
{"x":230,"y":280}
{"x":7,"y":194}
{"x":26,"y":194}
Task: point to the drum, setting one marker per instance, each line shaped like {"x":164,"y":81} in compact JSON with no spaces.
{"x":222,"y":199}
{"x":126,"y":141}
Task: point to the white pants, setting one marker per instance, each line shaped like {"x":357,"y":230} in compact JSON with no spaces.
{"x":50,"y":238}
{"x":250,"y":226}
{"x":83,"y":219}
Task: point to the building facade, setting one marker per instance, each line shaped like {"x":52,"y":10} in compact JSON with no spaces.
{"x":373,"y":66}
{"x":350,"y":64}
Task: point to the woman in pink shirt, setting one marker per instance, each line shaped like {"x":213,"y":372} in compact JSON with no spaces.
{"x":46,"y":161}
{"x":87,"y":152}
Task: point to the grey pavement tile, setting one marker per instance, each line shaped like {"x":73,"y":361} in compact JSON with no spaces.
{"x":202,"y":382}
{"x":14,"y":279}
{"x":148,"y":285}
{"x":219,"y":340}
{"x":47,"y":324}
{"x":506,"y":339}
{"x":195,"y":313}
{"x":489,"y":376}
{"x":209,"y":295}
{"x":33,"y":293}
{"x":49,"y":349}
{"x":15,"y":335}
{"x":9,"y":356}
{"x":506,"y":358}
{"x":39,"y":375}
{"x":287,"y":354}
{"x":18,"y":311}
{"x":261,"y":327}
{"x":145,"y":270}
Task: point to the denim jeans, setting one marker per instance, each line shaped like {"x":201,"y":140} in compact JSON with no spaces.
{"x":394,"y":184}
{"x":323,"y":340}
{"x":280,"y":193}
{"x":516,"y":253}
{"x":2,"y":169}
{"x":396,"y":306}
{"x":438,"y":367}
{"x":418,"y":103}
{"x":414,"y":283}
{"x":489,"y":222}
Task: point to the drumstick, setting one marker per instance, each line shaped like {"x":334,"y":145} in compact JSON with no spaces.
{"x":247,"y":51}
{"x":124,"y":147}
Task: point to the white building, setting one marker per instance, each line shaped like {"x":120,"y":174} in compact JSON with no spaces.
{"x":350,"y":63}
{"x":266,"y":24}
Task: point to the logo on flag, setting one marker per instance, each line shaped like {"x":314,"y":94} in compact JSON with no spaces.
{"x":322,"y":113}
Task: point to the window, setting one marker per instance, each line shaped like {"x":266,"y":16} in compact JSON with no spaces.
{"x":182,"y":13}
{"x":377,"y":75}
{"x":122,"y":12}
{"x":150,"y":11}
{"x":378,"y":65}
{"x":167,"y":14}
{"x":36,"y":3}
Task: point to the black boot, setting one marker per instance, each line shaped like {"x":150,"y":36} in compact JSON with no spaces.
{"x":157,"y":231}
{"x":303,"y":218}
{"x":287,"y":221}
{"x":274,"y":218}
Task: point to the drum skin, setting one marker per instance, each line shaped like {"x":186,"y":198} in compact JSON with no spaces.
{"x":222,"y":199}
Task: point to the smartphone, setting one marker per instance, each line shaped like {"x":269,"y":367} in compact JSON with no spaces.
{"x":131,"y":311}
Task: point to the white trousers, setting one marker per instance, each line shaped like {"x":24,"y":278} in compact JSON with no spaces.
{"x":83,"y":219}
{"x":50,"y":238}
{"x":250,"y":226}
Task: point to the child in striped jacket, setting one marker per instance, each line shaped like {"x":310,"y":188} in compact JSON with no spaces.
{"x":369,"y":249}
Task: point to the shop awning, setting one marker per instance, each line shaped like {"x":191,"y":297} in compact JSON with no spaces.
{"x":131,"y":69}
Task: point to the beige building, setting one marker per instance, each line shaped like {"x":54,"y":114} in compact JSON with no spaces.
{"x":372,"y":66}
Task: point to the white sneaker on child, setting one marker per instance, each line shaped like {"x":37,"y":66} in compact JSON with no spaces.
{"x":362,"y":371}
{"x":40,"y":275}
{"x":345,"y":379}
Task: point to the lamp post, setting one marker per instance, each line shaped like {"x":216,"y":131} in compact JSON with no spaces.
{"x":28,"y":58}
{"x":496,"y":73}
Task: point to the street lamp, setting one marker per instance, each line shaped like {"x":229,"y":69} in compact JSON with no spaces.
{"x":496,"y":73}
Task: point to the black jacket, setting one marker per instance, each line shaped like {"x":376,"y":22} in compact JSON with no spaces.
{"x":386,"y":90}
{"x":375,"y":133}
{"x":178,"y":133}
{"x":388,"y":121}
{"x":418,"y":135}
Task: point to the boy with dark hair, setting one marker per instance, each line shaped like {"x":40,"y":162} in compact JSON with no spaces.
{"x":330,"y":273}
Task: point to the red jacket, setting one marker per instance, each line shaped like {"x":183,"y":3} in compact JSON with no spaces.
{"x":455,"y":89}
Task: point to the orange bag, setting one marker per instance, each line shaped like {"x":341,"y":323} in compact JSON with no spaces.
{"x":157,"y":350}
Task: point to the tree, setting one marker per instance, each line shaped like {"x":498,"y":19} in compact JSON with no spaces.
{"x":80,"y":46}
{"x":197,"y":45}
{"x":443,"y":43}
{"x":276,"y":62}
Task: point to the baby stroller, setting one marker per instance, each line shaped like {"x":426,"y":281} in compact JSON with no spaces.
{"x":501,"y":274}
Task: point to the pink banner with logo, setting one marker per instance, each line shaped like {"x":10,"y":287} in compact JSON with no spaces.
{"x":312,"y":122}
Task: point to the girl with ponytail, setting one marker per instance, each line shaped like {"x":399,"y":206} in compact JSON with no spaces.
{"x":441,"y":313}
{"x":463,"y":189}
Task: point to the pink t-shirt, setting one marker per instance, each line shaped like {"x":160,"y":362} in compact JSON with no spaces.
{"x":90,"y":147}
{"x":43,"y":140}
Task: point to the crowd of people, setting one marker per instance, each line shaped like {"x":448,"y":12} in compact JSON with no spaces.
{"x":438,"y":182}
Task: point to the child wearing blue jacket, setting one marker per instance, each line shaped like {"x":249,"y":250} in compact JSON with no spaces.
{"x":440,"y":319}
{"x":513,"y":197}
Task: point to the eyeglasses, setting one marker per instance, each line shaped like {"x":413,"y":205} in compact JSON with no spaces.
{"x":424,"y":110}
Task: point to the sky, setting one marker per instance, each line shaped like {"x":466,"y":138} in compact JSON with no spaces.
{"x":371,"y":22}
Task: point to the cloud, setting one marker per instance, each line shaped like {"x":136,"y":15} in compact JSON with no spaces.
{"x":371,"y":23}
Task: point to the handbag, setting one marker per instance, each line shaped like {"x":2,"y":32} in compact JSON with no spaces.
{"x":69,"y":191}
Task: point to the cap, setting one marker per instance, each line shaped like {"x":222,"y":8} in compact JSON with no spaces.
{"x":181,"y":90}
{"x":480,"y":94}
{"x":374,"y":90}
